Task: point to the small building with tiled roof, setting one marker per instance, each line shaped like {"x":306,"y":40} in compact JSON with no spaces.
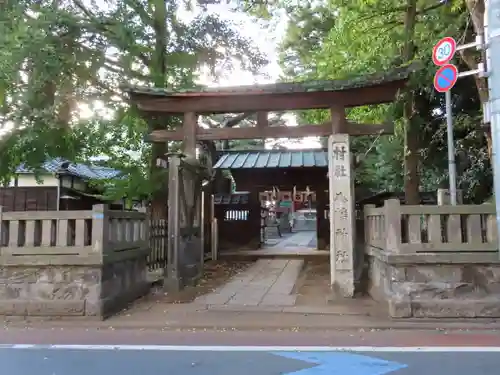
{"x":84,"y":171}
{"x":260,"y":170}
{"x":290,"y":172}
{"x":59,"y":185}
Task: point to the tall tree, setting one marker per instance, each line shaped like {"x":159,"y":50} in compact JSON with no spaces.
{"x":412,"y":180}
{"x":105,"y":45}
{"x":364,"y":36}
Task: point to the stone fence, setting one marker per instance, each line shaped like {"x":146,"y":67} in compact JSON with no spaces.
{"x":80,"y":263}
{"x":414,"y":229}
{"x":434,"y":261}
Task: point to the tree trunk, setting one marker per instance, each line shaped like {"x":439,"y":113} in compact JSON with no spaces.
{"x":159,"y":207}
{"x":67,"y":100}
{"x":412,"y":179}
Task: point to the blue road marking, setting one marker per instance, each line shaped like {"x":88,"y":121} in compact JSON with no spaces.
{"x":341,"y":363}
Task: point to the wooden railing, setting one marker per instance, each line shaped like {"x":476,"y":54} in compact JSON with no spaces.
{"x":95,"y":234}
{"x":403,"y":229}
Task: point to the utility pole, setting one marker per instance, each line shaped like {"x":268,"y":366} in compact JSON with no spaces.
{"x":492,"y":32}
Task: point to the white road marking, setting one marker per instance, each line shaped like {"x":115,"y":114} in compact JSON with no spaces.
{"x":373,"y":349}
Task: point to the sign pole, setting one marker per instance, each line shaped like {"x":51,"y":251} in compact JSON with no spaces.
{"x":452,"y":166}
{"x":444,"y":80}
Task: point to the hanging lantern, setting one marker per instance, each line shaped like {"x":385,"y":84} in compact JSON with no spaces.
{"x":285,"y":196}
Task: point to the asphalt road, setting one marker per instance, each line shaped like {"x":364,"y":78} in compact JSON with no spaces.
{"x":123,"y":360}
{"x":154,"y":352}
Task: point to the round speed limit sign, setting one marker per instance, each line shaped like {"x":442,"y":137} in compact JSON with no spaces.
{"x":444,"y":51}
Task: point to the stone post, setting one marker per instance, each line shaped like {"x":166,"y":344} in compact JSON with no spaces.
{"x":172,"y":280}
{"x":342,"y":220}
{"x":443,"y":197}
{"x":100,"y":229}
{"x":2,"y":233}
{"x":144,"y":231}
{"x":392,"y":216}
{"x":368,"y":226}
{"x":100,"y":244}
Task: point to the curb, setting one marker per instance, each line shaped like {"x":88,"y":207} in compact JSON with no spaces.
{"x":260,"y":322}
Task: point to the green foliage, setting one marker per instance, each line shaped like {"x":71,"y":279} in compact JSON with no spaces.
{"x":60,"y":56}
{"x":357,"y":37}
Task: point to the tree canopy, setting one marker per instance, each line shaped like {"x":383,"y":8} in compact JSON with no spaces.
{"x":64,"y":62}
{"x":337,"y":39}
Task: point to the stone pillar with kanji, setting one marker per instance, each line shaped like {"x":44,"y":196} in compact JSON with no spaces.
{"x":342,"y":219}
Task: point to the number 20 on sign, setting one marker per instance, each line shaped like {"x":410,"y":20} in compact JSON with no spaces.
{"x":443,"y":51}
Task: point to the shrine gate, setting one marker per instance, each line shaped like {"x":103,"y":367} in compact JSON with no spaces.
{"x":336,"y":96}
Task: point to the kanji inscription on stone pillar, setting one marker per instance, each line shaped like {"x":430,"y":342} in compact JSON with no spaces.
{"x":341,"y":214}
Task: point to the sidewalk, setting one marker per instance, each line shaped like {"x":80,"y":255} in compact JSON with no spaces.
{"x":162,"y":316}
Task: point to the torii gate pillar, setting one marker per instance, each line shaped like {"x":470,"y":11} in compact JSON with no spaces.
{"x":342,"y":218}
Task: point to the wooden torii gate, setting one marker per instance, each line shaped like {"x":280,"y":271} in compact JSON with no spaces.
{"x":336,"y":96}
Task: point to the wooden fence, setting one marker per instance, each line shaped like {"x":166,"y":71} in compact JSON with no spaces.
{"x":157,"y":258}
{"x":99,"y":233}
{"x":403,"y":229}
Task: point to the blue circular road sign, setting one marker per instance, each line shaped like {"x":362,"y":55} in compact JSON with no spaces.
{"x":445,"y":78}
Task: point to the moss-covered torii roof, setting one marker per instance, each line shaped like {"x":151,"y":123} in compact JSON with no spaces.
{"x":370,"y":89}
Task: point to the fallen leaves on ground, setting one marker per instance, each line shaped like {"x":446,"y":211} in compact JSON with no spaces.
{"x":215,"y":275}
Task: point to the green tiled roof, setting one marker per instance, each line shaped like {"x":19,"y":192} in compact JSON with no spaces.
{"x":272,"y":159}
{"x":396,"y":74}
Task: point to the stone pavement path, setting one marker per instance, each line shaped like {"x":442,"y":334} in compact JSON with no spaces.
{"x":272,"y":241}
{"x":298,"y":239}
{"x":269,"y":282}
